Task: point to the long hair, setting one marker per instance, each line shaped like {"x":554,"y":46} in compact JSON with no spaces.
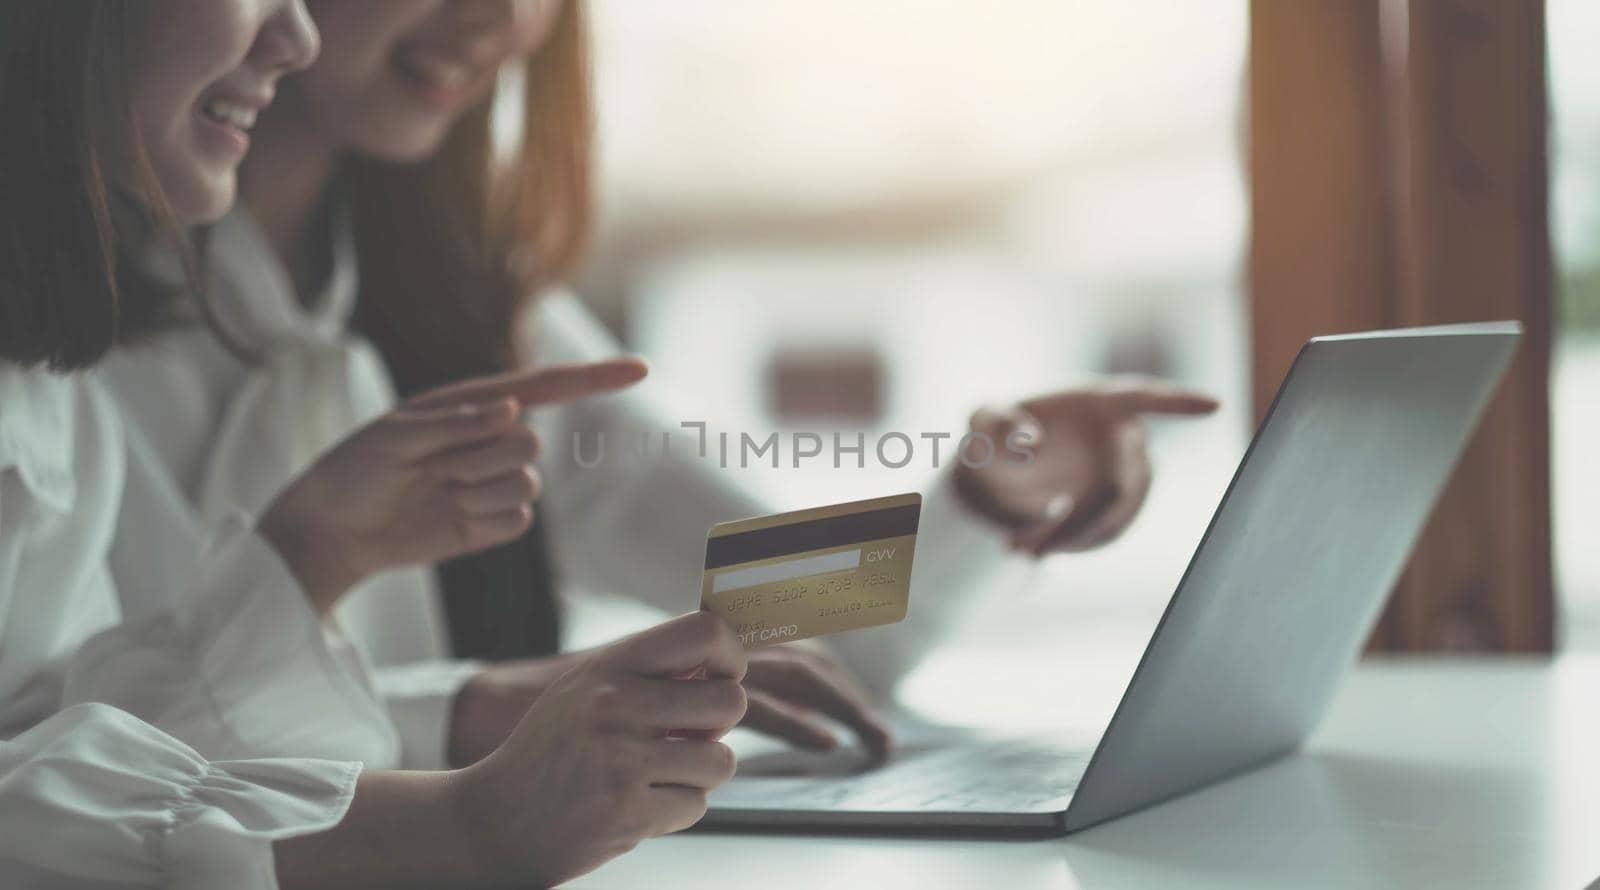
{"x":71,"y":228}
{"x":451,"y":249}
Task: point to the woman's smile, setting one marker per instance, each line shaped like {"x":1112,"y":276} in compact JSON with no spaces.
{"x":446,"y":76}
{"x":226,"y":120}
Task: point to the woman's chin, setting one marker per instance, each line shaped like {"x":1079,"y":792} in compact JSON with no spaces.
{"x":409,"y":148}
{"x":203,"y":199}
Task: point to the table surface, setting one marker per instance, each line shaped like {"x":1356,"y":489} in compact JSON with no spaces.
{"x":1426,"y":772}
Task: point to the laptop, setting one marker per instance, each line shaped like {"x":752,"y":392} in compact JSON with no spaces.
{"x":1282,"y":589}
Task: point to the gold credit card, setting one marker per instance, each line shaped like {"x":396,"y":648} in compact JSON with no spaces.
{"x":795,"y":575}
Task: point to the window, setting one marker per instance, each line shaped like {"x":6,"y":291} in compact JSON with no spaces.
{"x":956,"y":202}
{"x":1575,"y":383}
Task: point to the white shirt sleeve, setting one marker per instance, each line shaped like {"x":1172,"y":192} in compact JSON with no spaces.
{"x":240,"y":666}
{"x":94,"y":797}
{"x":160,"y":535}
{"x":389,"y":628}
{"x":638,"y":527}
{"x":91,"y":796}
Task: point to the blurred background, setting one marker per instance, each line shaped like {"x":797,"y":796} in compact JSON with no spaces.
{"x":879,"y":214}
{"x":1575,"y":384}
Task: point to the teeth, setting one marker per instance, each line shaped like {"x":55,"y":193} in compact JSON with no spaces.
{"x":241,"y":116}
{"x":439,"y":71}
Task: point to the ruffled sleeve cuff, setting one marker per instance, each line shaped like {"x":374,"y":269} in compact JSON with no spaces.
{"x":240,"y":667}
{"x":95,"y":795}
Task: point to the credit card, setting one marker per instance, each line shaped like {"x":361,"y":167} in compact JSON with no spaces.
{"x":796,"y":575}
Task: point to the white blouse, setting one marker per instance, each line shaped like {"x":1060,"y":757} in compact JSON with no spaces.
{"x":222,"y":433}
{"x":232,"y":431}
{"x":96,"y":788}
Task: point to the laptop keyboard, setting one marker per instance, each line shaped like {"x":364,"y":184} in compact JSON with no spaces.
{"x":968,"y":776}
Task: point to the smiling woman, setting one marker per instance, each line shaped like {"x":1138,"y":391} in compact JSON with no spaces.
{"x":413,"y":66}
{"x":152,"y":141}
{"x":400,"y":110}
{"x":131,"y":755}
{"x":194,"y":110}
{"x":453,"y":239}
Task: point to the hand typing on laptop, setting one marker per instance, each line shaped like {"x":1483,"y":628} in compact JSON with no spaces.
{"x":789,"y":686}
{"x":790,"y":689}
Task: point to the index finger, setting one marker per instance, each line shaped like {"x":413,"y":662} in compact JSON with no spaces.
{"x":683,"y":644}
{"x":541,"y":386}
{"x":1162,"y":398}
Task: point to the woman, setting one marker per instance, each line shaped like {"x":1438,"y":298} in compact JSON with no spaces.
{"x":374,"y":205}
{"x":149,"y":109}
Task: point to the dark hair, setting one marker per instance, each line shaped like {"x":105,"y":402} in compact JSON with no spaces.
{"x":69,"y":287}
{"x":451,"y":249}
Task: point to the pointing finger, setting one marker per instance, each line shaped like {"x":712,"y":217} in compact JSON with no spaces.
{"x":1156,"y":397}
{"x":540,"y":386}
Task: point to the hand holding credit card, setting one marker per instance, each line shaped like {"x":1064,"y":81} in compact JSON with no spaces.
{"x":802,"y":574}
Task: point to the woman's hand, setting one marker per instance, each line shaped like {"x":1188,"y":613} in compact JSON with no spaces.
{"x":788,"y":688}
{"x":447,"y":473}
{"x":589,"y":771}
{"x":1090,"y":471}
{"x":489,"y":706}
{"x":790,"y":685}
{"x":586,"y":775}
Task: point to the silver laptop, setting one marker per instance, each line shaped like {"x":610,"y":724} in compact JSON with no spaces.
{"x":1283,"y":588}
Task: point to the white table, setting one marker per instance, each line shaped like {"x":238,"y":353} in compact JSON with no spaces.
{"x":1426,"y":773}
